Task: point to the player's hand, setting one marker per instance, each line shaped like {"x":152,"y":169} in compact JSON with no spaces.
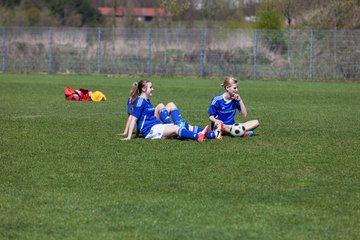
{"x":218,"y":122}
{"x":236,"y":97}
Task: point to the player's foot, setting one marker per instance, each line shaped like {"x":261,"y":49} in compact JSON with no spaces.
{"x":202,"y":134}
{"x":219,"y":127}
{"x":249,"y":133}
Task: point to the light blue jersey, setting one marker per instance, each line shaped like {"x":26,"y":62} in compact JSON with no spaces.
{"x":224,"y":110}
{"x":144,"y":112}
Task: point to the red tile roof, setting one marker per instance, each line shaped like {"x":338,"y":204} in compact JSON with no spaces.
{"x":107,"y":11}
{"x":138,"y":12}
{"x":151,"y":12}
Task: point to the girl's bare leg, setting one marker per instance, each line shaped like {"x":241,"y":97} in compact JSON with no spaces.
{"x":251,"y":125}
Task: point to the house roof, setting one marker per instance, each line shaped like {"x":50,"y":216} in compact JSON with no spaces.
{"x":137,"y":12}
{"x":151,"y":12}
{"x":107,"y":11}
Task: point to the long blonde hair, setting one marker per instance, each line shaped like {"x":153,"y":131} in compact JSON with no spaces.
{"x":228,"y":81}
{"x":136,"y":90}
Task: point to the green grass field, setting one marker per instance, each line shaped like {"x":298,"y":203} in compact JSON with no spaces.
{"x":65,"y":174}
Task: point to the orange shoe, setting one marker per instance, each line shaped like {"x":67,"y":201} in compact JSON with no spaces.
{"x":249,"y":133}
{"x":202,"y":134}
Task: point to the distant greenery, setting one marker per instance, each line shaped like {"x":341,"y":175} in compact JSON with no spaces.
{"x":49,"y":13}
{"x":315,"y":14}
{"x":269,"y":17}
{"x":10,"y":3}
{"x":89,"y":14}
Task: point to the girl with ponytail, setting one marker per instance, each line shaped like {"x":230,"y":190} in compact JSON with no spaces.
{"x":142,"y":114}
{"x":132,"y":96}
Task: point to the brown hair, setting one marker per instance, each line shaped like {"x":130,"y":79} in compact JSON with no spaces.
{"x":228,"y":81}
{"x":136,"y":90}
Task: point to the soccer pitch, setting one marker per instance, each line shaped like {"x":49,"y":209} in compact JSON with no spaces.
{"x":65,"y":174}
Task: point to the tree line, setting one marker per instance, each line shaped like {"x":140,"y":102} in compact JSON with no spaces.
{"x":49,"y":13}
{"x":274,"y":14}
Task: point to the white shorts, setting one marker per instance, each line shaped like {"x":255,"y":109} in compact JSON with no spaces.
{"x":156,"y":131}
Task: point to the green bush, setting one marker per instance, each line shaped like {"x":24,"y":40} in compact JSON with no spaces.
{"x":269,"y":17}
{"x":32,"y":16}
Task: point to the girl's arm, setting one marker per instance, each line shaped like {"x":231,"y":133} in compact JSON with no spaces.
{"x":132,"y":121}
{"x":243,"y":111}
{"x":126,"y":126}
{"x":214,"y":120}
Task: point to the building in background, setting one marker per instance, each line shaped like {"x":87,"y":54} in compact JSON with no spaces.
{"x":141,"y":14}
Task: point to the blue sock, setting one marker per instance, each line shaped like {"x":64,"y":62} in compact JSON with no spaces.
{"x":198,"y":129}
{"x":209,"y":135}
{"x":186,"y":134}
{"x":164,"y":116}
{"x":176,"y":115}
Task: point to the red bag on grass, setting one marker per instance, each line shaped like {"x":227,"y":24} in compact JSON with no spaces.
{"x":77,"y":95}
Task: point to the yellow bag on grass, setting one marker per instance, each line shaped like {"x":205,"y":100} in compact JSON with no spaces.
{"x":98,"y":96}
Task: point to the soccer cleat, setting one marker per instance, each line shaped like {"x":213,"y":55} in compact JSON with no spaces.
{"x":218,"y":130}
{"x":249,"y":133}
{"x":202,"y":134}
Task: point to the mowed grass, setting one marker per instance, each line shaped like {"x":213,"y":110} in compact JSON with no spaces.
{"x":65,"y":174}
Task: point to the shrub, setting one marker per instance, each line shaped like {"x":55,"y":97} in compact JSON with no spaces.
{"x":268,"y":17}
{"x":32,"y":16}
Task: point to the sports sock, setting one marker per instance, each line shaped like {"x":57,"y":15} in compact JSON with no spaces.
{"x":176,"y":115}
{"x":209,"y":135}
{"x":164,"y":116}
{"x":197,"y":129}
{"x":186,"y":134}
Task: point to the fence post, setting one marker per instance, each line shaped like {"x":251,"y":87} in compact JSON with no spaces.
{"x":3,"y":51}
{"x":99,"y":51}
{"x":51,"y":43}
{"x":335,"y":45}
{"x":311,"y":54}
{"x":256,"y":36}
{"x":289,"y":45}
{"x":202,"y":52}
{"x":150,"y":43}
{"x":335,"y":54}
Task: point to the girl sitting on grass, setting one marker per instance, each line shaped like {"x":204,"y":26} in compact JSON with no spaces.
{"x":223,"y":108}
{"x":143,"y":115}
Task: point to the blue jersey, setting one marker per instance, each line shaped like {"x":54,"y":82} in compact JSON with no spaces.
{"x":224,"y":110}
{"x":145,"y":114}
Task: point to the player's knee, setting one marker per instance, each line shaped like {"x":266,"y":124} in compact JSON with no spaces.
{"x":160,"y":106}
{"x":170,"y":106}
